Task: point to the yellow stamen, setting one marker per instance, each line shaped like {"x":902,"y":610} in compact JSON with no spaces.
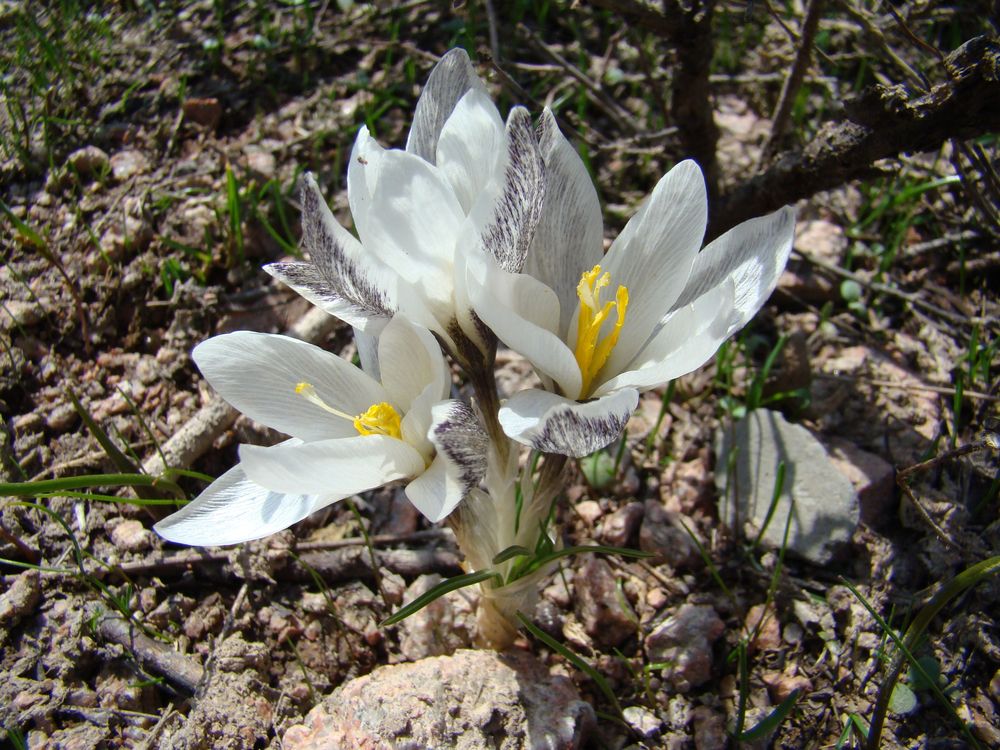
{"x":380,"y":419}
{"x":592,"y":351}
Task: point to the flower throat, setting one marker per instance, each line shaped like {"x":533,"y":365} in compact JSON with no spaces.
{"x":592,"y":351}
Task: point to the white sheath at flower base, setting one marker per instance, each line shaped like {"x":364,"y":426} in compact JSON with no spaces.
{"x":349,"y":433}
{"x":467,"y":184}
{"x":600,"y":330}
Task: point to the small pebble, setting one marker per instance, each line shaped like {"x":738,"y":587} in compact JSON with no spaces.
{"x":589,"y":511}
{"x":131,"y":536}
{"x":127,"y":163}
{"x":709,"y":729}
{"x":61,"y":419}
{"x":768,"y":632}
{"x":792,"y":633}
{"x":781,"y":685}
{"x":602,"y":608}
{"x":88,"y":161}
{"x":657,"y":598}
{"x":642,"y":721}
{"x":26,"y":313}
{"x":684,"y":643}
{"x":206,"y":111}
{"x":21,"y":597}
{"x":620,"y":527}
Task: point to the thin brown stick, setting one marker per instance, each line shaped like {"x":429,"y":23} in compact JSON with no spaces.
{"x":152,"y":655}
{"x":913,"y":299}
{"x":624,"y":119}
{"x":690,"y":93}
{"x":943,"y":390}
{"x":882,"y":123}
{"x":792,"y":84}
{"x":989,"y":441}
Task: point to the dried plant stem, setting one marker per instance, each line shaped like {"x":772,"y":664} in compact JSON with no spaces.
{"x":792,"y":84}
{"x":990,"y":441}
{"x":624,"y":119}
{"x":690,"y":100}
{"x":152,"y":655}
{"x":881,"y":124}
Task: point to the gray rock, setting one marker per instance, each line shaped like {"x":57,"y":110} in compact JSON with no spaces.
{"x":131,"y":536}
{"x":603,"y":611}
{"x":684,"y":643}
{"x":17,"y":312}
{"x":470,"y":700}
{"x":620,"y":527}
{"x":709,"y":729}
{"x":442,"y":627}
{"x":21,"y":598}
{"x":643,"y":722}
{"x":127,"y":163}
{"x":88,"y":161}
{"x":874,"y":480}
{"x":822,"y":501}
{"x":663,"y":535}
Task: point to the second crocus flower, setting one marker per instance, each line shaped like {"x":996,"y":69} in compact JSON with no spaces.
{"x":599,"y":329}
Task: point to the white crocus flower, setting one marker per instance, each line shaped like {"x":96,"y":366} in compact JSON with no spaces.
{"x":349,"y":433}
{"x":600,"y":330}
{"x":467,"y":183}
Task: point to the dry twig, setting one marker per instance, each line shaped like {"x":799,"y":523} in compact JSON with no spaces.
{"x":881,"y":124}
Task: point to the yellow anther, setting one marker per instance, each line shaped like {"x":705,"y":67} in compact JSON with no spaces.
{"x":592,"y":351}
{"x":380,"y":419}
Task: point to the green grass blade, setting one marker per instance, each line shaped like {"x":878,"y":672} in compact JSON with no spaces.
{"x":122,"y":462}
{"x":446,"y":586}
{"x":53,"y":486}
{"x":964,"y":580}
{"x":576,"y":660}
{"x":779,"y":486}
{"x":514,"y":550}
{"x":772,"y":721}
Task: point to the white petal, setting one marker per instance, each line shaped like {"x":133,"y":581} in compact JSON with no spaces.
{"x":752,"y":254}
{"x":257,"y":373}
{"x":418,"y":420}
{"x":502,"y":221}
{"x":341,"y":277}
{"x":429,"y":491}
{"x":471,"y":142}
{"x":363,"y":172}
{"x":459,"y":465}
{"x":554,"y":424}
{"x":476,"y":338}
{"x":233,"y":509}
{"x":410,"y":360}
{"x":524,"y":314}
{"x":343,"y":466}
{"x":367,"y":346}
{"x":413,"y":222}
{"x":569,"y":237}
{"x":653,"y":255}
{"x":684,"y":342}
{"x":451,"y":78}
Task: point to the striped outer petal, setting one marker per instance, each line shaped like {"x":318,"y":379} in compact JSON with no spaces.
{"x":554,"y":424}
